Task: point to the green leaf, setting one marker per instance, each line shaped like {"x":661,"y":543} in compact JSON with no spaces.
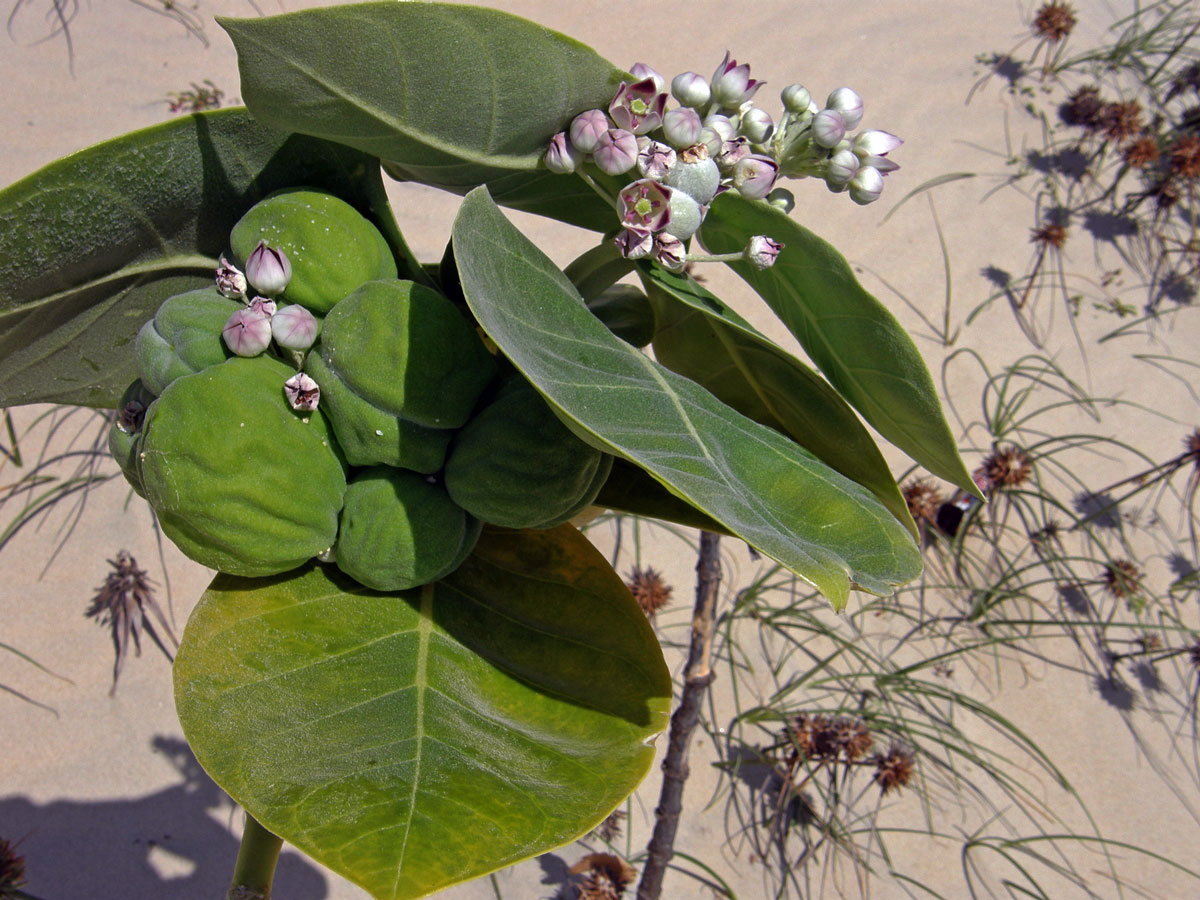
{"x":416,"y":740}
{"x":448,"y":95}
{"x":701,"y":338}
{"x":852,"y":337}
{"x":756,"y":482}
{"x":632,"y":490}
{"x":94,"y":242}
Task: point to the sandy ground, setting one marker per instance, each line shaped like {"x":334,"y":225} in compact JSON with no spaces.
{"x":102,"y":792}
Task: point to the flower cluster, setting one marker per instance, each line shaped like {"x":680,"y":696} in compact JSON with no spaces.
{"x":250,"y":330}
{"x":715,"y":140}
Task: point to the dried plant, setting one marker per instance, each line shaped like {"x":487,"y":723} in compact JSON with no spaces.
{"x":122,"y":604}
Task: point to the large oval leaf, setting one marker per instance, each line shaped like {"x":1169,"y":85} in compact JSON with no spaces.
{"x":94,"y":243}
{"x":448,"y":95}
{"x":756,"y":482}
{"x":412,"y":741}
{"x":700,"y":337}
{"x":852,"y":337}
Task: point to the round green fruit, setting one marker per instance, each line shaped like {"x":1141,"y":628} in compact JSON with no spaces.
{"x":399,"y":368}
{"x":331,"y":247}
{"x":183,"y":337}
{"x":240,"y":481}
{"x":400,"y":530}
{"x":516,"y":465}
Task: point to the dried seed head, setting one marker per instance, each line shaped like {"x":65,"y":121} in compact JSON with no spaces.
{"x":610,"y":829}
{"x":1052,"y":234}
{"x":807,"y":734}
{"x":894,"y":769}
{"x":605,"y":876}
{"x":851,"y":738}
{"x":1191,"y":444}
{"x":1121,"y":121}
{"x":1194,"y":654}
{"x":1166,"y":193}
{"x":1185,"y":157}
{"x":1123,"y":579}
{"x":1005,"y":469}
{"x":1054,"y":21}
{"x":923,"y":500}
{"x":1084,"y":108}
{"x":1141,"y":153}
{"x":125,"y":601}
{"x":649,"y":589}
{"x":12,"y":869}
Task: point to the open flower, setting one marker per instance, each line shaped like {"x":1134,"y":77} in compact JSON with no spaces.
{"x":638,"y":107}
{"x":646,"y":205}
{"x":634,"y":243}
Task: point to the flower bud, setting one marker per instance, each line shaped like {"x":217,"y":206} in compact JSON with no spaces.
{"x":670,"y":252}
{"x":655,"y":159}
{"x":756,"y":125}
{"x":587,"y":128}
{"x":875,"y":143}
{"x":849,"y":104}
{"x":796,"y":98}
{"x":685,"y":218}
{"x":828,"y":127}
{"x":842,"y":167}
{"x":691,"y":90}
{"x":782,"y":198}
{"x":712,"y":140}
{"x":264,"y":306}
{"x":294,"y":327}
{"x":268,"y":270}
{"x":634,"y":243}
{"x":681,"y":127}
{"x":230,"y":280}
{"x":247,"y":332}
{"x":754,"y":176}
{"x":731,"y":84}
{"x":561,"y":158}
{"x":302,"y":392}
{"x":866,"y":186}
{"x":645,"y":205}
{"x":762,"y":251}
{"x":722,"y":125}
{"x":641,"y":71}
{"x":616,"y":152}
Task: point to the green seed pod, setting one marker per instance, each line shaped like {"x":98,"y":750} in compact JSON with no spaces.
{"x":241,"y":482}
{"x":516,"y":465}
{"x":399,"y":368}
{"x":331,"y":247}
{"x":400,"y":530}
{"x":183,"y":337}
{"x":125,"y":433}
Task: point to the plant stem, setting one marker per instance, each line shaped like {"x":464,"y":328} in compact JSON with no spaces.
{"x":256,"y":861}
{"x":697,"y":676}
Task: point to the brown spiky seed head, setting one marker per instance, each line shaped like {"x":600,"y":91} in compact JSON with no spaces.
{"x":1051,"y":234}
{"x":1054,"y":21}
{"x":610,"y":829}
{"x":852,"y":738}
{"x":1141,"y":153}
{"x":649,"y":589}
{"x":1185,"y":157}
{"x":1191,"y":444}
{"x":809,"y":735}
{"x":12,"y":869}
{"x":1122,"y":579}
{"x":923,"y":500}
{"x":1122,"y":120}
{"x":1194,"y":654}
{"x":605,"y":876}
{"x":894,"y":769}
{"x":1005,"y":469}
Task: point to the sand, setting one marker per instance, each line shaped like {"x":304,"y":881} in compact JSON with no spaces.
{"x":101,"y":792}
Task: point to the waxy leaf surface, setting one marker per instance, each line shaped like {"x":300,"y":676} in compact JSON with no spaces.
{"x":699,"y":336}
{"x":756,"y":482}
{"x":93,"y":243}
{"x":852,"y":337}
{"x":448,"y":95}
{"x":412,"y":741}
